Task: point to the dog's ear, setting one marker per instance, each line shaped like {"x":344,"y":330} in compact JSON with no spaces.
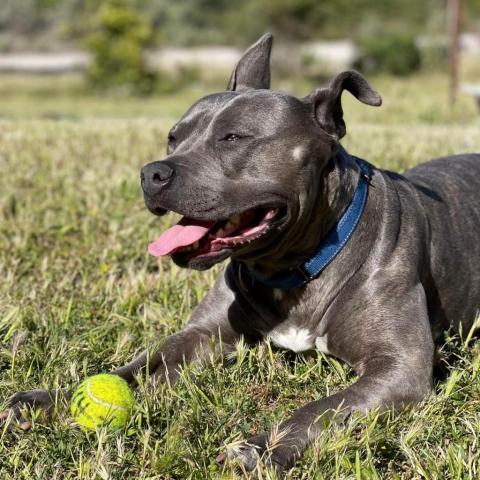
{"x":327,"y":101}
{"x":253,"y":69}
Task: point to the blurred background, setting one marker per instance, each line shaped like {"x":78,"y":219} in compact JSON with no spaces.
{"x":76,"y":58}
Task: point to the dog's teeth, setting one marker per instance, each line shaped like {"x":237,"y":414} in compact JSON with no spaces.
{"x":228,"y":228}
{"x":270,"y":214}
{"x":235,"y":220}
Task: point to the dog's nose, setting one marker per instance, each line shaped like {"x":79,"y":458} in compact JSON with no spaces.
{"x":155,"y":176}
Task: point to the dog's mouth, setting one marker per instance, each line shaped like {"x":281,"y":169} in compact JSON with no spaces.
{"x":191,"y":238}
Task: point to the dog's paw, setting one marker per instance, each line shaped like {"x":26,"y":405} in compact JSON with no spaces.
{"x":21,"y":402}
{"x":266,"y":449}
{"x":244,"y":456}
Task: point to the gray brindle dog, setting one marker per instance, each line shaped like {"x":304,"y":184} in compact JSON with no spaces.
{"x":327,"y":252}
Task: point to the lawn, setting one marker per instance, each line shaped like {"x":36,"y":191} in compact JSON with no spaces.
{"x":79,"y":295}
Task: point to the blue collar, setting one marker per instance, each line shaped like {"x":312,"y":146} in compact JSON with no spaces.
{"x":329,"y":248}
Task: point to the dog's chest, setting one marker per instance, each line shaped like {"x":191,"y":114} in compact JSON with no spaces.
{"x":295,"y":333}
{"x":297,"y":339}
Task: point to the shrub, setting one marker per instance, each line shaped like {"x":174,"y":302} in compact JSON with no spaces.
{"x":117,"y":42}
{"x":393,"y":53}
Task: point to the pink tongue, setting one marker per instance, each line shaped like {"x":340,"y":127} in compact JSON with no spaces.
{"x":185,"y":232}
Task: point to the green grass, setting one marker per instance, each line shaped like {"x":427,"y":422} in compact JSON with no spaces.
{"x":421,"y":98}
{"x":80,"y":295}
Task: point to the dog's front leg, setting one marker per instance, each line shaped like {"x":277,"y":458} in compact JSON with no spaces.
{"x":210,"y":319}
{"x":395,"y":368}
{"x":385,"y":384}
{"x":192,"y":343}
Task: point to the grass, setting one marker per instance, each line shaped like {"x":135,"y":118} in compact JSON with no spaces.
{"x":421,"y":98}
{"x":79,"y":295}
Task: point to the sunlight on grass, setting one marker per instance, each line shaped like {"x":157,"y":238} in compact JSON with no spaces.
{"x":80,"y":295}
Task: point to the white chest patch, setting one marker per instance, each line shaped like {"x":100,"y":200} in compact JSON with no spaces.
{"x":295,"y":339}
{"x":321,"y":344}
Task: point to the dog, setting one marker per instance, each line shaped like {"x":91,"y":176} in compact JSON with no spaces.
{"x":326,"y":251}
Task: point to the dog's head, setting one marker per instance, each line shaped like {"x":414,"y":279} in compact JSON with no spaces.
{"x":245,"y":166}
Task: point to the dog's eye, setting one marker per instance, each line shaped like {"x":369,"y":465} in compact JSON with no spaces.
{"x":231,"y":137}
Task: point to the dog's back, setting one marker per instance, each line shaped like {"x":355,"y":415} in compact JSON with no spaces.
{"x":449,"y":193}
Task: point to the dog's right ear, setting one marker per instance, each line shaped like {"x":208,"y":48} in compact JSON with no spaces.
{"x":327,"y":101}
{"x":253,"y":69}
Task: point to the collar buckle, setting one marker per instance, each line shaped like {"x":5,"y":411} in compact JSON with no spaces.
{"x":303,"y":272}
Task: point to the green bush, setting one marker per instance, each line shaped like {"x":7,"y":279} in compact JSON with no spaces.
{"x":396,"y":54}
{"x":117,"y":42}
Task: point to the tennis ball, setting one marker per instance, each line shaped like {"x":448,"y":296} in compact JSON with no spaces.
{"x":102,"y":400}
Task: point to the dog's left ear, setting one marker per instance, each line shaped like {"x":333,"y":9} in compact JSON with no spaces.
{"x":327,"y":101}
{"x":253,"y":69}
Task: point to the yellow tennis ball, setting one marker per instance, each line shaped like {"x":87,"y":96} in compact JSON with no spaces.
{"x":102,"y":400}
